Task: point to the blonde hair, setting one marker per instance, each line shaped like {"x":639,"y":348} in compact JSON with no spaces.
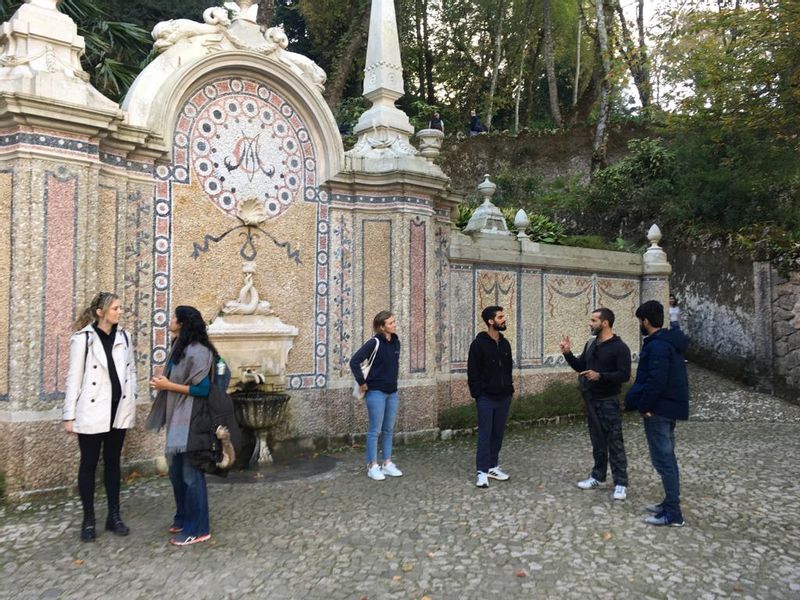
{"x":101,"y":301}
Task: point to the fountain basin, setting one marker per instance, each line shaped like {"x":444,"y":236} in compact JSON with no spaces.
{"x":260,"y":412}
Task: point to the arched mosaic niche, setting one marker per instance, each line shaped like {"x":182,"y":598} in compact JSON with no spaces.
{"x":237,"y":139}
{"x":243,"y":140}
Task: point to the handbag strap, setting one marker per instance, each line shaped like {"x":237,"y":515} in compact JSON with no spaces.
{"x":374,"y":352}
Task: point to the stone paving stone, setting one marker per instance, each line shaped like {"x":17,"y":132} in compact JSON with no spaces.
{"x":432,"y":533}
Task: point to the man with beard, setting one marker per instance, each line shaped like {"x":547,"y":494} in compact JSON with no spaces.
{"x":489,"y":378}
{"x":604,"y":366}
{"x":661,"y":394}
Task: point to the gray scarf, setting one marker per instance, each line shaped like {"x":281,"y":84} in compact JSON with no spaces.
{"x":175,"y":410}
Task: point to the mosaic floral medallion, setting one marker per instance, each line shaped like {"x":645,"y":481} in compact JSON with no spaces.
{"x":241,"y":140}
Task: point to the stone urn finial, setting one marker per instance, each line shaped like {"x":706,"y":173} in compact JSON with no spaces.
{"x":521,"y":222}
{"x":654,"y":254}
{"x":486,"y":189}
{"x":487,"y":218}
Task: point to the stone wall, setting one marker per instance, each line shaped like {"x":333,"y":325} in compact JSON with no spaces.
{"x":717,"y":299}
{"x":786,"y":333}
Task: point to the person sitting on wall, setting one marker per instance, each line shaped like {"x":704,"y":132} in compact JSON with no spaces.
{"x":475,"y":125}
{"x":436,"y":122}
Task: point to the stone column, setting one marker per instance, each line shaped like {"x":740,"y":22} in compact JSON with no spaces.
{"x":762,"y":326}
{"x":655,"y":271}
{"x":62,"y":209}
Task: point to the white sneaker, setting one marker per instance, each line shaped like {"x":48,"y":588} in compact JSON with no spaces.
{"x":497,"y":473}
{"x":589,"y":484}
{"x":391,"y":470}
{"x":375,"y":473}
{"x":620,"y":492}
{"x":483,"y":480}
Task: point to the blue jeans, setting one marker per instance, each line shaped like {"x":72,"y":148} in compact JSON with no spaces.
{"x":492,"y":415}
{"x":660,"y":433}
{"x":382,"y":410}
{"x":191,"y":496}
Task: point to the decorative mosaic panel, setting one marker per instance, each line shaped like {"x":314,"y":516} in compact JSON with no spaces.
{"x":530,"y":325}
{"x":60,"y":205}
{"x":462,"y":314}
{"x":442,"y":318}
{"x":568,"y":300}
{"x":6,"y":189}
{"x":376,"y":270}
{"x":417,"y":270}
{"x":621,"y":296}
{"x":497,"y":288}
{"x":237,"y":139}
{"x":341,"y":294}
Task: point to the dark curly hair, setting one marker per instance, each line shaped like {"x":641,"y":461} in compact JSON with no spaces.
{"x":193,"y":329}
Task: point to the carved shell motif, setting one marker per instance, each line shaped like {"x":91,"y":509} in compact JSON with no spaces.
{"x":251,"y":211}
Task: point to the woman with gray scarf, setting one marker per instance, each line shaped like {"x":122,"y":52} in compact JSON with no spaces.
{"x":186,"y":380}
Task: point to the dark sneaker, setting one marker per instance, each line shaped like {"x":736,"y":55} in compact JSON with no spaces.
{"x":88,"y":533}
{"x":666,"y":519}
{"x":654,"y":509}
{"x":188,"y":540}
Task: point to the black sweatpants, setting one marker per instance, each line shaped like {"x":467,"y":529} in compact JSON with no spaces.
{"x":90,"y":445}
{"x":605,"y":431}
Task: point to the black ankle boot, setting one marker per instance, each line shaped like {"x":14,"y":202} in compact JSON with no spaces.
{"x":87,"y":529}
{"x":114,"y":523}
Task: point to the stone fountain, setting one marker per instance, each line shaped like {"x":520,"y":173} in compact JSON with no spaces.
{"x":255,"y":343}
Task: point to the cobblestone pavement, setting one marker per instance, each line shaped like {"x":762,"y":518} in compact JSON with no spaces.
{"x":432,"y":533}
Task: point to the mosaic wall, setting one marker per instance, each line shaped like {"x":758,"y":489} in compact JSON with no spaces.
{"x":6,"y":190}
{"x":237,"y":139}
{"x":540,"y":308}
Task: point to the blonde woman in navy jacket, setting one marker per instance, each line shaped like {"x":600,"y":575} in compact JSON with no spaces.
{"x":100,"y":403}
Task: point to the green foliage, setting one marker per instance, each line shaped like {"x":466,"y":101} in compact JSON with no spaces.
{"x":734,"y":65}
{"x":544,"y":230}
{"x":557,"y":399}
{"x":463,"y":215}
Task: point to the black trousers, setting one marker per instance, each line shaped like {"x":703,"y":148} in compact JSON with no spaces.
{"x":91,"y":444}
{"x":605,"y":431}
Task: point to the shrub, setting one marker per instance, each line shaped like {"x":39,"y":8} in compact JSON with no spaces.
{"x":557,"y":399}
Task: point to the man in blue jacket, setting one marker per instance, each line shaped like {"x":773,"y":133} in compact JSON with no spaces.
{"x":661,"y":394}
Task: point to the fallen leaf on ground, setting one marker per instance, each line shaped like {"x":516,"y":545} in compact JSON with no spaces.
{"x":397,"y":578}
{"x":426,"y":598}
{"x":521,"y":573}
{"x":607,"y":536}
{"x":78,"y":562}
{"x":407,"y":567}
{"x":389,"y":555}
{"x":429,"y":554}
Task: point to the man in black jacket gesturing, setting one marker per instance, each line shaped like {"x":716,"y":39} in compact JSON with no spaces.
{"x":489,"y":377}
{"x":604,"y":366}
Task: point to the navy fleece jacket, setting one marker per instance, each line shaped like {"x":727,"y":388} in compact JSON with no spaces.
{"x":385,"y":368}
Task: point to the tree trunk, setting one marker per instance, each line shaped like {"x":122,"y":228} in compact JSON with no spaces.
{"x":644,"y":59}
{"x":498,"y":52}
{"x":633,"y":56}
{"x":431,"y":96}
{"x":530,"y":97}
{"x":343,"y":66}
{"x":576,"y":85}
{"x":600,"y":142}
{"x":420,"y":49}
{"x":550,"y":66}
{"x":265,"y":14}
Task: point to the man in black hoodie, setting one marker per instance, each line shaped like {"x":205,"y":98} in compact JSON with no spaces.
{"x":604,"y":366}
{"x":661,"y":394}
{"x":489,"y":378}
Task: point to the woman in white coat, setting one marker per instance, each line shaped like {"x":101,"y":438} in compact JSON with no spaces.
{"x":99,"y":403}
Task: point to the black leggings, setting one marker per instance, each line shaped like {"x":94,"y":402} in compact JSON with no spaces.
{"x":90,"y":444}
